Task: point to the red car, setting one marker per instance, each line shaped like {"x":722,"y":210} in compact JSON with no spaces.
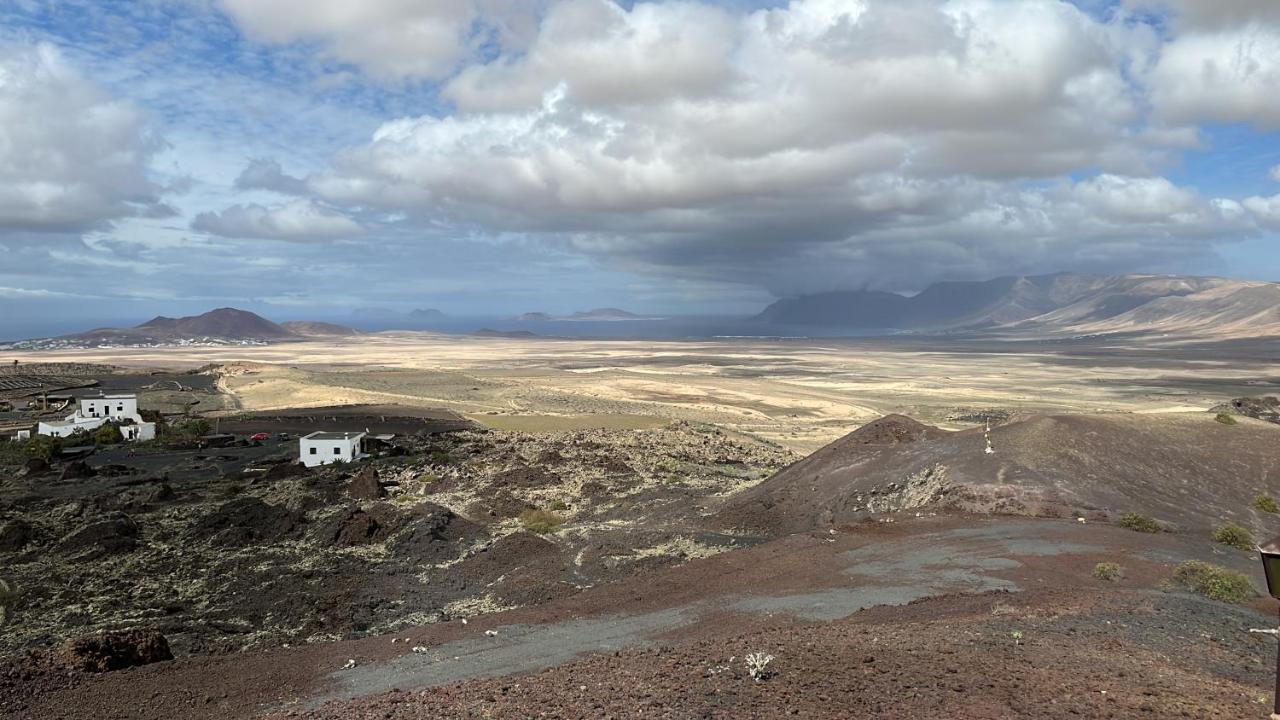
{"x":259,"y":437}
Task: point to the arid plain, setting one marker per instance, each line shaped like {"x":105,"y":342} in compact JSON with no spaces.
{"x":800,"y":393}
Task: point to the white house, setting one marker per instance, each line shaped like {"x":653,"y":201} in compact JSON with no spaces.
{"x":95,"y":411}
{"x":322,"y":448}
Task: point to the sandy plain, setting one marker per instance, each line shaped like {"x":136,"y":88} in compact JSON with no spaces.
{"x":798,"y":393}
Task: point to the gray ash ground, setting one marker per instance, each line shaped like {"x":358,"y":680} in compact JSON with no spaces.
{"x":219,"y":559}
{"x":1080,"y":654}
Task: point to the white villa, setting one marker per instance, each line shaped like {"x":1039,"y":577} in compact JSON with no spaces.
{"x":323,"y":448}
{"x":94,"y":412}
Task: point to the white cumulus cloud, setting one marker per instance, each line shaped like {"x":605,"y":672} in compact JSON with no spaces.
{"x":297,"y":220}
{"x":71,"y":156}
{"x":390,"y":39}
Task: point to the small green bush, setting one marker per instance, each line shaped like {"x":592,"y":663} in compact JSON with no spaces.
{"x":43,"y":447}
{"x":558,"y":505}
{"x":108,"y":435}
{"x":540,"y":521}
{"x":189,"y":429}
{"x":1110,"y":572}
{"x":1214,"y":582}
{"x":1266,"y":503}
{"x":1225,"y":418}
{"x":1235,"y":536}
{"x":1140,"y":523}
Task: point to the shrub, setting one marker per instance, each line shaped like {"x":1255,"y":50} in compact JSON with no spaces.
{"x":440,"y":457}
{"x":189,"y":428}
{"x":558,"y":505}
{"x":1266,"y":503}
{"x":1235,"y":536}
{"x":540,"y":521}
{"x":108,"y":435}
{"x":1225,"y":418}
{"x":1110,"y":572}
{"x":43,"y":447}
{"x":1214,"y":582}
{"x":758,"y":666}
{"x":1140,"y":523}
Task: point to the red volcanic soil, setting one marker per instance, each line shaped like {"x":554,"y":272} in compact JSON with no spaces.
{"x":959,"y":617}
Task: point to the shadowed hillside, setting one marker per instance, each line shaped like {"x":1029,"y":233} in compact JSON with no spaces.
{"x":1186,"y":470}
{"x":1060,"y":304}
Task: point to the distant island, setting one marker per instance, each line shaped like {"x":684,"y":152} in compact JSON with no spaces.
{"x":596,"y":315}
{"x":513,"y":334}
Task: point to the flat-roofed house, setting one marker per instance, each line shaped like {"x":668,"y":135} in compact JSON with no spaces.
{"x":323,"y":448}
{"x":94,"y":411}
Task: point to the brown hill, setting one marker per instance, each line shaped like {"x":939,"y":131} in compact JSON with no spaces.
{"x":223,"y":323}
{"x":1186,"y":470}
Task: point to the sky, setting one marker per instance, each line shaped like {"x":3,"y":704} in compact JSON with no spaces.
{"x":306,"y":158}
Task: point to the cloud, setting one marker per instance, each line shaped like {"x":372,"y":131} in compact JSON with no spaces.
{"x":393,"y":39}
{"x":1215,"y":15}
{"x":71,"y":157}
{"x":267,"y":174}
{"x":819,"y":144}
{"x":1275,"y":173}
{"x":1266,"y":209}
{"x":298,"y":220}
{"x":1230,"y":76}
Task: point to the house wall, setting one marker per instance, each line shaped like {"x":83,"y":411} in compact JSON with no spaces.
{"x":105,"y":407}
{"x":323,"y":452}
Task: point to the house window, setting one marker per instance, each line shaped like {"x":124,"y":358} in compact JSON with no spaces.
{"x":337,"y":451}
{"x":313,"y":451}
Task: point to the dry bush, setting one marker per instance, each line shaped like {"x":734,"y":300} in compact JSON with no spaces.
{"x":540,"y":521}
{"x":1235,"y":536}
{"x":1214,"y":582}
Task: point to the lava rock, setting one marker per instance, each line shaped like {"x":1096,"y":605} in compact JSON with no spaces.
{"x":116,"y":650}
{"x":365,"y":486}
{"x":111,"y":535}
{"x":1266,"y":408}
{"x":248,"y":521}
{"x":77,"y":470}
{"x":432,"y":531}
{"x":161,"y":493}
{"x":356,"y":528}
{"x":15,"y":535}
{"x":281,"y":471}
{"x":35,"y":466}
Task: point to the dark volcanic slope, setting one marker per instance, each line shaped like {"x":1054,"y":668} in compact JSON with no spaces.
{"x":224,"y":325}
{"x":223,"y":322}
{"x":1185,"y":469}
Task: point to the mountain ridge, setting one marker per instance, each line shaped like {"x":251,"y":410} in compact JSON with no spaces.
{"x":1051,"y":305}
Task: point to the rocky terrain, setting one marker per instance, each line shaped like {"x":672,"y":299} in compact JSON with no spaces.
{"x":1189,"y":471}
{"x":589,"y":572}
{"x":222,"y":554}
